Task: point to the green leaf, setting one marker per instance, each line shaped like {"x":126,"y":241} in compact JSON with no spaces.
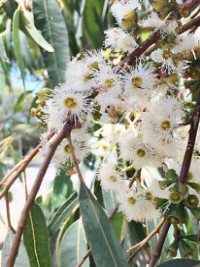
{"x":62,"y":213}
{"x":180,"y":263}
{"x":73,"y":246}
{"x":19,"y":106}
{"x":100,"y":235}
{"x":36,"y":238}
{"x":49,"y":20}
{"x":22,"y":257}
{"x":92,"y":22}
{"x":30,"y":27}
{"x":16,"y":41}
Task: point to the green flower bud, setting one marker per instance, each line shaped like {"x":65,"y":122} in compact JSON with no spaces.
{"x":159,"y":4}
{"x":129,"y":20}
{"x":172,"y":249}
{"x":175,"y":197}
{"x":42,"y":93}
{"x":191,"y":201}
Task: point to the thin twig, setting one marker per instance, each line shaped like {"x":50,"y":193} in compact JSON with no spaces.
{"x":136,"y":248}
{"x":160,"y":243}
{"x":25,"y":184}
{"x":192,"y":23}
{"x":8,"y":211}
{"x":21,"y":167}
{"x":36,"y":186}
{"x":191,"y":141}
{"x":152,"y":39}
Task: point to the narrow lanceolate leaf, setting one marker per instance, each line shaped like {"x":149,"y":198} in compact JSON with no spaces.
{"x":49,"y":20}
{"x":16,"y":41}
{"x":22,"y":257}
{"x":180,"y":263}
{"x":36,"y":238}
{"x":100,"y":235}
{"x":62,"y":214}
{"x":73,"y":246}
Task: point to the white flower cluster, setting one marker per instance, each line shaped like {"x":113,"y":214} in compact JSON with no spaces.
{"x":141,"y":116}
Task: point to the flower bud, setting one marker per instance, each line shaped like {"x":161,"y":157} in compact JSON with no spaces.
{"x":33,"y":112}
{"x":172,"y":249}
{"x":175,"y":197}
{"x":129,"y":20}
{"x":159,"y":4}
{"x":42,"y":93}
{"x":185,"y":11}
{"x":191,"y":201}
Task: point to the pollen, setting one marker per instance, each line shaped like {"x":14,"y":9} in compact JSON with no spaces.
{"x":113,"y":178}
{"x":137,"y":82}
{"x":165,"y":125}
{"x":70,"y":102}
{"x":166,"y":54}
{"x":67,"y":149}
{"x":109,"y":83}
{"x":93,"y":66}
{"x":131,"y":200}
{"x":141,"y":153}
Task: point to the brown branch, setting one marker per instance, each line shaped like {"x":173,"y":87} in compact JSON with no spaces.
{"x":130,"y":60}
{"x":36,"y":186}
{"x":191,"y":141}
{"x":136,"y":248}
{"x":21,"y":167}
{"x":8,"y":211}
{"x":160,"y":243}
{"x":152,"y":39}
{"x":192,"y":23}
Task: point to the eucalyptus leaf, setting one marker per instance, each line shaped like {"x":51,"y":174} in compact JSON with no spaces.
{"x":36,"y":238}
{"x":16,"y":41}
{"x":73,"y":246}
{"x":49,"y":20}
{"x":180,"y":263}
{"x":22,"y":257}
{"x":100,"y":235}
{"x":62,"y":214}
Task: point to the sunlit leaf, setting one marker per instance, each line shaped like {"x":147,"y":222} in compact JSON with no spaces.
{"x":100,"y":235}
{"x":49,"y":20}
{"x":36,"y":238}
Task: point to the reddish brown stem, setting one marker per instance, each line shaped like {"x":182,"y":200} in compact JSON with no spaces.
{"x":192,"y":23}
{"x":191,"y":141}
{"x":21,"y":167}
{"x":160,"y":243}
{"x":153,"y":38}
{"x":36,"y":186}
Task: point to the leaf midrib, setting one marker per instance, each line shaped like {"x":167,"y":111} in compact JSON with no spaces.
{"x":93,"y":208}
